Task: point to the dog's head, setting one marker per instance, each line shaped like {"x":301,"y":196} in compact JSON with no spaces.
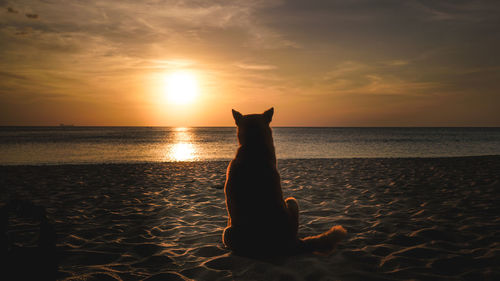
{"x":254,"y":129}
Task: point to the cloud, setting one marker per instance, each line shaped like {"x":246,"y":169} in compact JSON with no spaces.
{"x":359,"y":79}
{"x":397,"y":62}
{"x":326,"y":48}
{"x":171,"y":63}
{"x":458,"y":11}
{"x":23,"y":31}
{"x":12,"y":10}
{"x":256,"y":66}
{"x":12,"y":75}
{"x":31,"y":16}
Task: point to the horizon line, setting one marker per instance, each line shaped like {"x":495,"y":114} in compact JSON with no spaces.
{"x":298,"y":126}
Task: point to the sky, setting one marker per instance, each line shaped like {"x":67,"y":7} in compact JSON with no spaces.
{"x":318,"y":63}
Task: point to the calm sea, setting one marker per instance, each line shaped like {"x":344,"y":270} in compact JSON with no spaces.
{"x":74,"y":145}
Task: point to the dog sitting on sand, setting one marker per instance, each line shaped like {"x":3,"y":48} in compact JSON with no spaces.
{"x":260,"y":222}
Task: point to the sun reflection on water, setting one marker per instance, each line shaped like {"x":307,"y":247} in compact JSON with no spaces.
{"x":181,"y":129}
{"x":182,"y":152}
{"x":182,"y":147}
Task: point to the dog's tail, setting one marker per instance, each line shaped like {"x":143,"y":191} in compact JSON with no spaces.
{"x":323,"y":243}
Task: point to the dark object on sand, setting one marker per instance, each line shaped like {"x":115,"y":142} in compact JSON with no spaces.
{"x":218,"y":186}
{"x":261,"y":222}
{"x":26,"y":257}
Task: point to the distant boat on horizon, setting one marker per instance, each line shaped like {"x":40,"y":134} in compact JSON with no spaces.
{"x":66,"y":125}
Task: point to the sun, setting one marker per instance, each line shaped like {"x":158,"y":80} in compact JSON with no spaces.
{"x":181,"y":87}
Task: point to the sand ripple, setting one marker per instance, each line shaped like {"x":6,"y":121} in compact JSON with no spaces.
{"x":423,"y":219}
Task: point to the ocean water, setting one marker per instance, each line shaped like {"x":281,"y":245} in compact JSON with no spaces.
{"x":76,"y":145}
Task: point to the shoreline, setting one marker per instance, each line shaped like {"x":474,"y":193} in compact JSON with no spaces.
{"x":407,"y":218}
{"x":228,"y":160}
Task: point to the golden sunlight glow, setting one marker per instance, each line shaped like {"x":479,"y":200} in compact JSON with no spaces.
{"x":181,"y":87}
{"x":182,"y":152}
{"x":182,"y":129}
{"x":182,"y":147}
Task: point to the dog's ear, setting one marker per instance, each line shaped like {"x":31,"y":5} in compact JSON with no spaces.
{"x":268,"y":115}
{"x":237,"y":117}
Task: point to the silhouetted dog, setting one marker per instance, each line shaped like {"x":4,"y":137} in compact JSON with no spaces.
{"x":260,"y":222}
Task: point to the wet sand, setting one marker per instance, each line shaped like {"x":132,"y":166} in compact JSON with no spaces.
{"x":418,"y":218}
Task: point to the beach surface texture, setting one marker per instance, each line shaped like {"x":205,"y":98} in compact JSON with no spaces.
{"x":407,"y":218}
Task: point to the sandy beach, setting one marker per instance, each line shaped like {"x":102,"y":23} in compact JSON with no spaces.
{"x":408,"y":219}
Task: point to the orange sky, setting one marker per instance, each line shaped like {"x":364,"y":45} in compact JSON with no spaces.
{"x":331,"y":63}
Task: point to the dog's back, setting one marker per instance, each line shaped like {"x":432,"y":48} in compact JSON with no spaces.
{"x":260,"y":221}
{"x":253,"y":190}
